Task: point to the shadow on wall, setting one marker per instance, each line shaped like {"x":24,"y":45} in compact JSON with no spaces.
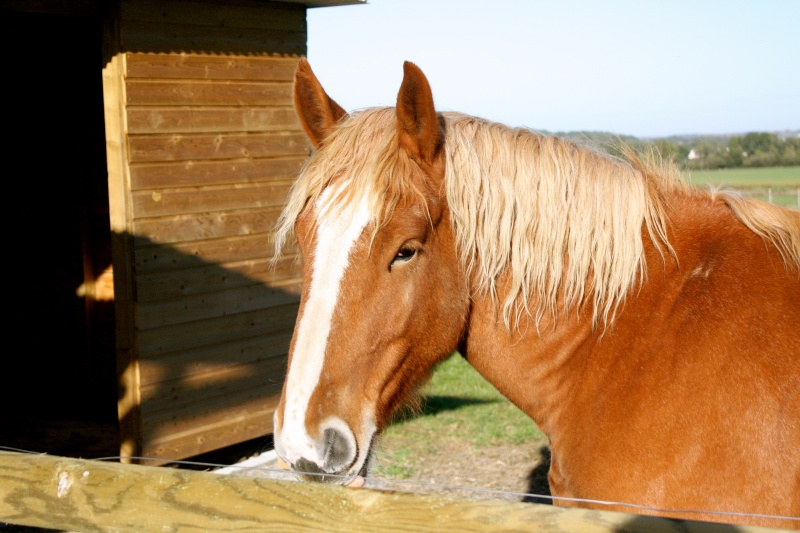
{"x":212,"y":342}
{"x":211,"y":339}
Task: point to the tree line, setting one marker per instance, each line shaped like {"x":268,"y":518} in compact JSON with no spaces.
{"x":703,"y":152}
{"x":757,"y":149}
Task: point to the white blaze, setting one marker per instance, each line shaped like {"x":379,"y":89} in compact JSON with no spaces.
{"x":336,"y":236}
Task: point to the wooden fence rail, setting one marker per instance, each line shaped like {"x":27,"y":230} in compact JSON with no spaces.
{"x":80,"y":495}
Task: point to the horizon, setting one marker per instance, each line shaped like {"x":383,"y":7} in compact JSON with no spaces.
{"x":623,"y":67}
{"x":782,"y":133}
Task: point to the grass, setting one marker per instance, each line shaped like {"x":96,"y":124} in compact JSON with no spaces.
{"x":748,"y":177}
{"x":399,"y":467}
{"x":460,"y":416}
{"x":458,"y":400}
{"x":779,"y":185}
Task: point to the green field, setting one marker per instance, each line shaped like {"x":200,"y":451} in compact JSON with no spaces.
{"x":747,"y":177}
{"x":778,"y":185}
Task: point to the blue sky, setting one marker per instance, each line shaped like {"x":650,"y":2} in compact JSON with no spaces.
{"x":642,"y":68}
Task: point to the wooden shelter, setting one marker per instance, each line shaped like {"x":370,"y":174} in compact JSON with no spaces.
{"x":152,"y":145}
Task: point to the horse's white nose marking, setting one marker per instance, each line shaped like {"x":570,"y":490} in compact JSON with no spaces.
{"x":336,"y":236}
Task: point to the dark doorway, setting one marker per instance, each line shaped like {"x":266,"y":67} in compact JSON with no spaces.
{"x":58,"y":368}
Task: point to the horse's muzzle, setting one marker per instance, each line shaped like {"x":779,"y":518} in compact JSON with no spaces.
{"x":338,"y":456}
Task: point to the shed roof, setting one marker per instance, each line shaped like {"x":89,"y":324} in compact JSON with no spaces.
{"x":326,"y":3}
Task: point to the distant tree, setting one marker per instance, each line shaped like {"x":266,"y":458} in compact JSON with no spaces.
{"x":736,"y":151}
{"x":790,"y":153}
{"x":672,"y":151}
{"x":755,"y":142}
{"x":715,"y":161}
{"x":709,"y":154}
{"x":755,"y":149}
{"x":763,"y":158}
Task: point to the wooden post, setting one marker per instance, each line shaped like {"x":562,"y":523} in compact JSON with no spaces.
{"x":80,"y":495}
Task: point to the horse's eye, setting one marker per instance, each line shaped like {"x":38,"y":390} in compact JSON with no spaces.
{"x":403,"y":255}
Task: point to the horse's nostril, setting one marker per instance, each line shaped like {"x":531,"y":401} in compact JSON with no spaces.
{"x":339,"y":452}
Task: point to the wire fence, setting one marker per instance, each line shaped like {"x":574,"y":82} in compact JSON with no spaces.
{"x":783,"y":196}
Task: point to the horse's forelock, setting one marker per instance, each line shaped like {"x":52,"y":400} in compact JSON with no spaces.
{"x":362,"y":154}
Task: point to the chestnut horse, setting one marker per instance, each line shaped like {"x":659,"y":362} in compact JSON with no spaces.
{"x":650,"y":330}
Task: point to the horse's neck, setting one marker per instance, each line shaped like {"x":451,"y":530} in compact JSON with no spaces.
{"x":554,"y":374}
{"x":526,"y":366}
{"x":540,"y":368}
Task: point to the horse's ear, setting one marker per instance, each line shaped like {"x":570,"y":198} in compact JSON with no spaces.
{"x":421,"y":132}
{"x":317,"y":111}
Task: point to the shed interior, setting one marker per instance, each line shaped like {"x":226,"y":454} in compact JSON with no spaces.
{"x":58,"y":373}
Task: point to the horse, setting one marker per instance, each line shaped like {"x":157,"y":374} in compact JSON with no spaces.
{"x":651,"y":330}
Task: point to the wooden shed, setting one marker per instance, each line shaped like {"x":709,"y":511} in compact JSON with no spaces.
{"x":152,"y":143}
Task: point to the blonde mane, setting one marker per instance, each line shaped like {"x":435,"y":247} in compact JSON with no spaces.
{"x":563,"y":222}
{"x":566,"y":219}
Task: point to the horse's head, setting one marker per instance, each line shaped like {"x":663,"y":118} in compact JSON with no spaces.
{"x":384,"y":298}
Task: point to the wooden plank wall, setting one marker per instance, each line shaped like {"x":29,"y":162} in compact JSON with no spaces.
{"x":213,"y":145}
